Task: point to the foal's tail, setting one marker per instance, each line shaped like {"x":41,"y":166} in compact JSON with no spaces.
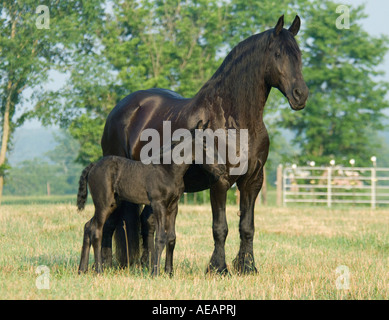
{"x":83,"y":187}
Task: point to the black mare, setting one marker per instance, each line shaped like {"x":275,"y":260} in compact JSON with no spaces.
{"x":234,"y":98}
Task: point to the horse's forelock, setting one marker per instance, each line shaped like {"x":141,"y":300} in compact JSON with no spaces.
{"x":288,"y":44}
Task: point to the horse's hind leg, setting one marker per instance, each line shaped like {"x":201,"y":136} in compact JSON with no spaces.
{"x":85,"y":248}
{"x":147,"y":230}
{"x":106,"y":247}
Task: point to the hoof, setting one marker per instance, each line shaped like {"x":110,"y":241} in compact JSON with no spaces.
{"x":244,"y":264}
{"x":82,"y":271}
{"x":222,"y":271}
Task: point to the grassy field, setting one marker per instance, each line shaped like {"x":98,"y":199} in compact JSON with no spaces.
{"x":297,"y":250}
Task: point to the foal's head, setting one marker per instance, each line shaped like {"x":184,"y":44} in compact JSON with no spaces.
{"x":284,"y":64}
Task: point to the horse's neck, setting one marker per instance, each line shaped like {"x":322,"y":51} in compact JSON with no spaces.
{"x":238,"y":88}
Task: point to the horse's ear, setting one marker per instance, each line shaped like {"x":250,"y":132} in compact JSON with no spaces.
{"x":279,"y":25}
{"x":295,"y":27}
{"x":199,"y":124}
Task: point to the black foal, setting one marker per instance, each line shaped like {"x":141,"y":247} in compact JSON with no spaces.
{"x":113,"y":179}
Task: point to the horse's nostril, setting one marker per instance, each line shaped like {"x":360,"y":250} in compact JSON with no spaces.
{"x":297,"y":94}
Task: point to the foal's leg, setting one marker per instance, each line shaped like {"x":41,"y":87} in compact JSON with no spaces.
{"x":159,"y":212}
{"x":85,"y":248}
{"x":249,"y":189}
{"x":219,"y":227}
{"x":171,"y":237}
{"x":97,"y":225}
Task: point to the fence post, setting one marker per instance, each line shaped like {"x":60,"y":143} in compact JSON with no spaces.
{"x":373,"y":187}
{"x":329,"y":189}
{"x":279,"y":185}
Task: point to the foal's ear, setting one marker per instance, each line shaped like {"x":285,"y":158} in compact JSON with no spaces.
{"x":279,"y":25}
{"x":295,"y":27}
{"x":199,"y":124}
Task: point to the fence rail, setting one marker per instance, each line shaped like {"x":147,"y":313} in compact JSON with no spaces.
{"x":335,"y":184}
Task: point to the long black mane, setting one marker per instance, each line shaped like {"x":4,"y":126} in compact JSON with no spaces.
{"x":242,"y":56}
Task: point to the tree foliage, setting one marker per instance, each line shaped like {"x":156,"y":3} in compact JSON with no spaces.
{"x":28,"y":52}
{"x":108,"y":49}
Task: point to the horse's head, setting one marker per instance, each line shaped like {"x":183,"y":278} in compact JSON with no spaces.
{"x":284,"y":64}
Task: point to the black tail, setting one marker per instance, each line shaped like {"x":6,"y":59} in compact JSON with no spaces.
{"x":83,"y":187}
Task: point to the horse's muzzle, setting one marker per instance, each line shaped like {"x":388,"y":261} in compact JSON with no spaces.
{"x":299,"y":97}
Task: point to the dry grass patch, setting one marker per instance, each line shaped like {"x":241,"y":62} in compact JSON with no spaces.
{"x":297,"y":252}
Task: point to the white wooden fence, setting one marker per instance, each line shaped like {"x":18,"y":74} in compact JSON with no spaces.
{"x":335,"y":185}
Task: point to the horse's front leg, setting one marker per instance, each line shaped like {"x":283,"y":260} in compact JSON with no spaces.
{"x":159,"y":212}
{"x":218,"y":195}
{"x":249,"y":189}
{"x":171,"y":237}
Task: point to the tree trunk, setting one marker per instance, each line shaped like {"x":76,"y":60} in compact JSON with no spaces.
{"x":6,"y":117}
{"x":5,"y":137}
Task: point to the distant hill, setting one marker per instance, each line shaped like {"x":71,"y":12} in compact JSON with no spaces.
{"x":30,"y":143}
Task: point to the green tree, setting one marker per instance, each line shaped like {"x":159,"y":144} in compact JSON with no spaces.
{"x":346,"y":103}
{"x":168,"y":44}
{"x":31,"y":44}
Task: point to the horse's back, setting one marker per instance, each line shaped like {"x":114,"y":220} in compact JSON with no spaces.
{"x":149,"y":99}
{"x":138,"y":111}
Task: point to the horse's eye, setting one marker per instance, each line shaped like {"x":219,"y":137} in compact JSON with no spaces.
{"x":278,"y":54}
